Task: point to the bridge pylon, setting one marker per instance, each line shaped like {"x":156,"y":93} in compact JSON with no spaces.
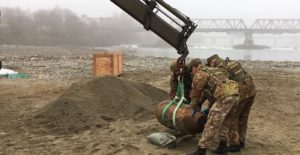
{"x":248,"y":42}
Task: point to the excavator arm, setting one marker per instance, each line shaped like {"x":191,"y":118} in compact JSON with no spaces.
{"x":147,"y":12}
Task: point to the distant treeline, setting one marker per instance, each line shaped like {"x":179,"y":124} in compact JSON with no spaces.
{"x":59,"y":27}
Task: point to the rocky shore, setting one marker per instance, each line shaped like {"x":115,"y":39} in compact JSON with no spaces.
{"x":56,"y":73}
{"x":73,"y":63}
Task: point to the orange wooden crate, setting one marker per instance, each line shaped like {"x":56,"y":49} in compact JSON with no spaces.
{"x":107,"y":63}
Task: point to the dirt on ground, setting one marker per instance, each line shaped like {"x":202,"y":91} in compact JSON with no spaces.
{"x":97,"y":102}
{"x":60,"y":109}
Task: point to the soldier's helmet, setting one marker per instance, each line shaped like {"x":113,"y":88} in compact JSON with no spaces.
{"x":173,"y":66}
{"x":195,"y":63}
{"x":217,"y":60}
{"x":211,"y":58}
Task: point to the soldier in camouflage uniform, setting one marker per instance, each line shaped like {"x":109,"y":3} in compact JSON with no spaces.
{"x":238,"y":128}
{"x":187,"y":78}
{"x":175,"y":70}
{"x":224,"y":96}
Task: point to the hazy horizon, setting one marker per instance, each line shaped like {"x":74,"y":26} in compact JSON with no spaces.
{"x":48,"y":29}
{"x":247,"y":10}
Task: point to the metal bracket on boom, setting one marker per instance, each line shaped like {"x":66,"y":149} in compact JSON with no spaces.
{"x":146,"y":12}
{"x":151,"y":5}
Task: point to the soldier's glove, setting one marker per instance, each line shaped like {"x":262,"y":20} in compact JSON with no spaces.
{"x":205,"y":111}
{"x":194,"y":113}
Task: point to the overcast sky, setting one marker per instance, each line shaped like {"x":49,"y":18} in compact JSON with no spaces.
{"x":245,"y":9}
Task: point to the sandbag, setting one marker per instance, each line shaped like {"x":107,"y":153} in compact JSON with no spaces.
{"x":161,"y":139}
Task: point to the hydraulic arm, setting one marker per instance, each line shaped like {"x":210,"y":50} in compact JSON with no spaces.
{"x":147,"y":12}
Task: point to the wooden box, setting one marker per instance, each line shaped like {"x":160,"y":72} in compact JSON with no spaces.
{"x":107,"y":63}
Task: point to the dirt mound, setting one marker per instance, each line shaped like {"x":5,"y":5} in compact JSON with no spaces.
{"x":98,"y":102}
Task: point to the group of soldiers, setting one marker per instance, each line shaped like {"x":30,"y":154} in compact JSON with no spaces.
{"x":223,"y":89}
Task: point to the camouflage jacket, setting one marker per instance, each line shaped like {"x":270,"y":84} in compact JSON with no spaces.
{"x":246,"y":86}
{"x":236,"y":72}
{"x":212,"y":87}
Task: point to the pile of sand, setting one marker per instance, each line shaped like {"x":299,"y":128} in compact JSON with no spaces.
{"x":98,"y":102}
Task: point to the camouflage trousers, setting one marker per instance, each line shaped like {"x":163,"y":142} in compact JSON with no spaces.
{"x":229,"y":131}
{"x":218,"y":115}
{"x":243,"y":117}
{"x":235,"y":126}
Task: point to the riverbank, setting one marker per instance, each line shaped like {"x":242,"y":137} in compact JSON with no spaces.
{"x":273,"y":124}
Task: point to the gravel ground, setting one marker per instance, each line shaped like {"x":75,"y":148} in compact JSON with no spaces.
{"x":273,"y":124}
{"x":68,"y":63}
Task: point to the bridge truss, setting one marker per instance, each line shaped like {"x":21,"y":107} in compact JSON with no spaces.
{"x":259,"y":25}
{"x":220,"y":25}
{"x":237,"y":26}
{"x":276,"y":26}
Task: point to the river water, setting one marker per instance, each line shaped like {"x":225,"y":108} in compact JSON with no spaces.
{"x":262,"y":55}
{"x":284,"y":47}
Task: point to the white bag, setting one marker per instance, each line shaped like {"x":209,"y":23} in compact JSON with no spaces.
{"x":161,"y":139}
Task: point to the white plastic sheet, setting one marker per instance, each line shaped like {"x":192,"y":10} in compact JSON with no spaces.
{"x":7,"y":72}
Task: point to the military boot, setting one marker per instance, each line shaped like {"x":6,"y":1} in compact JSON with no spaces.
{"x":242,"y":145}
{"x":234,"y":148}
{"x":199,"y":151}
{"x":221,"y":150}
